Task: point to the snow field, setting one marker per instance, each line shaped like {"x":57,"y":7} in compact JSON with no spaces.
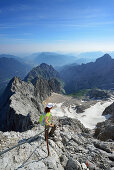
{"x":89,"y":118}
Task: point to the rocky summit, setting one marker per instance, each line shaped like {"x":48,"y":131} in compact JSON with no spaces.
{"x":72,"y":148}
{"x":43,"y":70}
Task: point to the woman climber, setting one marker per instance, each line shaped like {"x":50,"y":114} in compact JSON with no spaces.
{"x":48,"y":123}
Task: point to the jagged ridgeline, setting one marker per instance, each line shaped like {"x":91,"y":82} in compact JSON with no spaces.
{"x":98,"y":74}
{"x":44,"y":70}
{"x":19,"y":106}
{"x":21,"y":102}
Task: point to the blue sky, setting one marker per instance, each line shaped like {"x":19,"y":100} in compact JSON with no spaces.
{"x":28,"y":26}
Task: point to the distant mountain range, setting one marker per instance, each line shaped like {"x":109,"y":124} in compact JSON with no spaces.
{"x":93,"y":74}
{"x":58,"y":60}
{"x":53,"y":59}
{"x":98,"y":74}
{"x":11,"y":56}
{"x":10,"y":67}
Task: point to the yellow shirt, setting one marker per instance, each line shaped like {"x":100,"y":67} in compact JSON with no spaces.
{"x":49,"y":117}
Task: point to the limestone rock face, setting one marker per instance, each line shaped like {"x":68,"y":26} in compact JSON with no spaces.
{"x":109,"y":110}
{"x":44,"y":70}
{"x":56,"y":85}
{"x":44,"y":88}
{"x":105,"y":130}
{"x":45,"y":79}
{"x":19,"y":107}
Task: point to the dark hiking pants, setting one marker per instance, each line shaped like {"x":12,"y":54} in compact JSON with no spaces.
{"x":47,"y":133}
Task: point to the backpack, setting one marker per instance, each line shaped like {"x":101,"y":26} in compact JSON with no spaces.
{"x":42,"y":119}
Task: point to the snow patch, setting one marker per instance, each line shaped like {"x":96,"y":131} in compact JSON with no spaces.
{"x":93,"y":115}
{"x":89,"y":118}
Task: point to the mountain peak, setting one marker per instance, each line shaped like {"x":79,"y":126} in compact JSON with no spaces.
{"x":104,"y":58}
{"x":44,"y":65}
{"x":44,"y":70}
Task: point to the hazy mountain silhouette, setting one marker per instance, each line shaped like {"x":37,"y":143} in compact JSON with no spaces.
{"x":54,"y":59}
{"x":10,"y":67}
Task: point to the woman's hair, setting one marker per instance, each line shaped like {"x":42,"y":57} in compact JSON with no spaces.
{"x":47,"y":110}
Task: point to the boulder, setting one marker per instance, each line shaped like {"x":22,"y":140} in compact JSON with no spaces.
{"x":73,"y":165}
{"x":109,"y":110}
{"x":105,"y":130}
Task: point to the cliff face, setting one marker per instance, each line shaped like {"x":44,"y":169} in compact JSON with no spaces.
{"x":44,"y":88}
{"x":43,"y":70}
{"x":19,"y":106}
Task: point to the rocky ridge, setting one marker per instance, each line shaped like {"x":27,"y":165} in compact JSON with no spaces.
{"x":45,"y":87}
{"x":72,"y":147}
{"x":43,"y":70}
{"x":19,"y":106}
{"x":47,"y":78}
{"x":21,"y":103}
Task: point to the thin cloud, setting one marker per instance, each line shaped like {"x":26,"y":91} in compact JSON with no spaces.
{"x":10,"y":39}
{"x":3,"y":35}
{"x":91,"y":24}
{"x":18,"y":7}
{"x":7,"y":26}
{"x":78,"y":14}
